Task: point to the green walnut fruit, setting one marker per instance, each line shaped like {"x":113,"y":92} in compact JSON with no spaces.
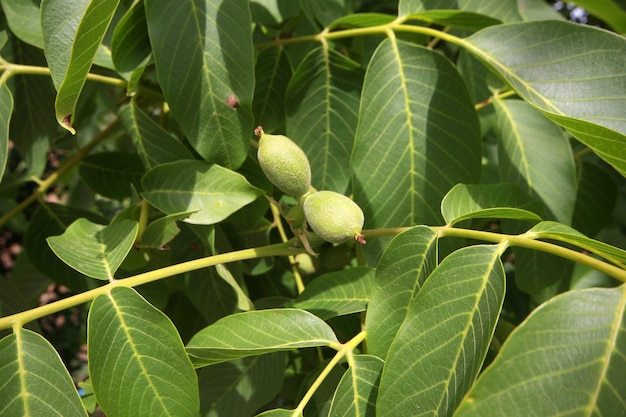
{"x":334,"y":217}
{"x":284,"y":163}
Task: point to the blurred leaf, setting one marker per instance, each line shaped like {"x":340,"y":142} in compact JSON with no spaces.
{"x":213,"y":192}
{"x":280,"y":412}
{"x":337,"y":293}
{"x":564,"y":233}
{"x":564,"y":359}
{"x":569,"y":72}
{"x":534,"y":154}
{"x":240,"y":387}
{"x":205,"y":58}
{"x":112,"y":173}
{"x":23,"y":17}
{"x":154,"y":144}
{"x":409,"y":154}
{"x":130,"y":45}
{"x":137,"y":361}
{"x":273,"y":11}
{"x":535,"y":271}
{"x":265,"y":331}
{"x":596,"y":199}
{"x":537,"y":10}
{"x":322,"y":104}
{"x":34,"y":380}
{"x":95,"y":250}
{"x":471,"y":201}
{"x":6,"y":109}
{"x":324,"y":12}
{"x":405,"y":264}
{"x":161,"y":231}
{"x":442,"y":343}
{"x":503,"y":10}
{"x":357,"y":390}
{"x":272,"y":74}
{"x":361,"y":20}
{"x":71,"y":33}
{"x":607,"y":10}
{"x":51,"y":220}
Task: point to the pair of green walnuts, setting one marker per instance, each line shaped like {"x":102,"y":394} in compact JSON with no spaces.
{"x":332,"y":216}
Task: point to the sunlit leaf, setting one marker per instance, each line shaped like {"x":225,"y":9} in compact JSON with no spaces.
{"x":34,"y":379}
{"x":95,"y":250}
{"x":258,"y":332}
{"x":356,"y":392}
{"x":565,"y":359}
{"x":441,"y":344}
{"x":213,"y":192}
{"x":504,"y":10}
{"x":137,"y":361}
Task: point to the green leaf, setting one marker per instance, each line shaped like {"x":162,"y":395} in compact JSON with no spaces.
{"x":280,"y":412}
{"x":95,"y":250}
{"x":34,"y":379}
{"x":161,"y":231}
{"x":137,"y":361}
{"x":212,"y":191}
{"x":130,"y":45}
{"x":205,"y":58}
{"x":24,"y":22}
{"x":357,"y":390}
{"x":337,"y":293}
{"x":503,"y":10}
{"x":471,"y":201}
{"x":322,"y":103}
{"x":611,"y":11}
{"x":441,"y":345}
{"x":6,"y":109}
{"x":535,"y":271}
{"x":596,"y":198}
{"x":154,"y":144}
{"x":241,"y":387}
{"x":51,"y":220}
{"x":409,"y":154}
{"x":563,"y":233}
{"x":257,"y":332}
{"x":537,"y":10}
{"x":534,"y":154}
{"x":361,"y":20}
{"x":569,"y":72}
{"x":407,"y":261}
{"x":111,"y":174}
{"x":564,"y":359}
{"x":272,"y":74}
{"x":71,"y":33}
{"x":455,"y":18}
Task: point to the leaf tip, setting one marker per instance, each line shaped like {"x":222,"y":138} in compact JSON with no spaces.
{"x":66,"y":123}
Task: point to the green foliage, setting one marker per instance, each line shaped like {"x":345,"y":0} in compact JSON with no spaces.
{"x":485,"y":142}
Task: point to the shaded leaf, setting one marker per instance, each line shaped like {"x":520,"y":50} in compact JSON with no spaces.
{"x":536,"y":271}
{"x":154,"y":144}
{"x":204,"y":56}
{"x":258,"y":332}
{"x":361,"y":20}
{"x":337,"y":293}
{"x":6,"y":109}
{"x":503,"y":10}
{"x":161,"y":231}
{"x":137,"y":361}
{"x":418,"y":136}
{"x":241,"y":387}
{"x":537,"y":10}
{"x":406,"y":262}
{"x":112,"y":174}
{"x":95,"y":250}
{"x":441,"y":345}
{"x":71,"y":33}
{"x":564,"y":359}
{"x":357,"y":390}
{"x":322,"y":103}
{"x":24,"y":21}
{"x":596,"y":198}
{"x":213,"y":192}
{"x":455,"y":18}
{"x":612,"y":12}
{"x":130,"y":45}
{"x":469,"y":201}
{"x":534,"y":154}
{"x":590,"y":108}
{"x":272,"y":74}
{"x":34,"y":379}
